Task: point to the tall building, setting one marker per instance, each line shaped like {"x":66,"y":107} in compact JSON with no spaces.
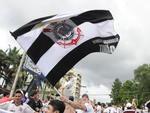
{"x":77,"y":86}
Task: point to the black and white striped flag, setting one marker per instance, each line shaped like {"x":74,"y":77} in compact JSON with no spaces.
{"x":56,"y":43}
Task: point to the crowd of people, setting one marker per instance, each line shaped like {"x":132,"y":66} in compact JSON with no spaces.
{"x":33,"y":104}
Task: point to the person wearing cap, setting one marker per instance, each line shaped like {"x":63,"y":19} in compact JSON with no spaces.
{"x":129,"y":108}
{"x":84,"y":105}
{"x":17,"y":106}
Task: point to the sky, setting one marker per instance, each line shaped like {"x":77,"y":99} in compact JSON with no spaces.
{"x":98,"y":70}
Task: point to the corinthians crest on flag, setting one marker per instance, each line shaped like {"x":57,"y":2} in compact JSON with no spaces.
{"x":64,"y":33}
{"x":56,"y":43}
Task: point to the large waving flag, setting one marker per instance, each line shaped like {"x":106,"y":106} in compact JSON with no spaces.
{"x":56,"y":43}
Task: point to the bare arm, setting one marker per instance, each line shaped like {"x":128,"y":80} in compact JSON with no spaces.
{"x":75,"y":105}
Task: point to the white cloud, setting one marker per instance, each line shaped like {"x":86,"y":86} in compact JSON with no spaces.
{"x":6,"y":40}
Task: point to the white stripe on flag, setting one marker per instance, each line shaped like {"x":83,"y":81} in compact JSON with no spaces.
{"x":89,"y":30}
{"x":27,"y":39}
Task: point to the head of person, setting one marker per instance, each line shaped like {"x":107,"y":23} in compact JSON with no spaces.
{"x":109,"y":104}
{"x":6,"y":94}
{"x":56,"y":106}
{"x":71,"y":98}
{"x":85,"y":97}
{"x":34,"y":95}
{"x":103,"y":105}
{"x":129,"y":106}
{"x":99,"y":103}
{"x":18,"y":96}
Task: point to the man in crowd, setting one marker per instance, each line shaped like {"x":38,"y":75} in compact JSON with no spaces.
{"x":55,"y":106}
{"x":34,"y":102}
{"x":129,"y":108}
{"x":84,"y":104}
{"x":69,"y":108}
{"x":17,"y":106}
{"x":99,"y":108}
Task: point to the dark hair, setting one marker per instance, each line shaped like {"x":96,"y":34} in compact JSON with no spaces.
{"x":103,"y":105}
{"x":6,"y":94}
{"x":57,"y":105}
{"x":109,"y":104}
{"x":85,"y":95}
{"x":98,"y":103}
{"x":71,"y":98}
{"x":34,"y":93}
{"x":57,"y":95}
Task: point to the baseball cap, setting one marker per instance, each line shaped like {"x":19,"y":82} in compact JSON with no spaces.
{"x":19,"y":91}
{"x":128,"y":105}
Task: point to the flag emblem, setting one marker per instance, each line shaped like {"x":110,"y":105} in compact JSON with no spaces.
{"x":64,"y":33}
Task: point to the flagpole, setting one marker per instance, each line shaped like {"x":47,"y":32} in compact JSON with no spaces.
{"x":17,"y":75}
{"x":57,"y":91}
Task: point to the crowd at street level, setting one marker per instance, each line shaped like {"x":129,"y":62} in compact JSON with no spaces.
{"x":20,"y":104}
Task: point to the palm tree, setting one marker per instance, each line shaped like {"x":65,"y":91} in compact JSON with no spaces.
{"x":9,"y":61}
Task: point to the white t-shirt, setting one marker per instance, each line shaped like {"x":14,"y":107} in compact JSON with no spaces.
{"x":79,"y":111}
{"x":99,"y":109}
{"x":89,"y":109}
{"x":119,"y":110}
{"x":24,"y":108}
{"x":110,"y":110}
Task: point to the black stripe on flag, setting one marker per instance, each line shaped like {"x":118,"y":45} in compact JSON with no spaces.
{"x":27,"y":27}
{"x":73,"y":57}
{"x":94,"y":16}
{"x":39,"y":47}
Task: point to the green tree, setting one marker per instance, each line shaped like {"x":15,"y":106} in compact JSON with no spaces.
{"x":3,"y":64}
{"x":142,"y":77}
{"x":128,"y":91}
{"x":9,"y":61}
{"x":115,"y":92}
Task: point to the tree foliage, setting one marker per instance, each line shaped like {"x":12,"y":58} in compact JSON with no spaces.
{"x":138,"y":88}
{"x":128,"y":91}
{"x":115,"y":93}
{"x":142,"y":77}
{"x":9,"y":62}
